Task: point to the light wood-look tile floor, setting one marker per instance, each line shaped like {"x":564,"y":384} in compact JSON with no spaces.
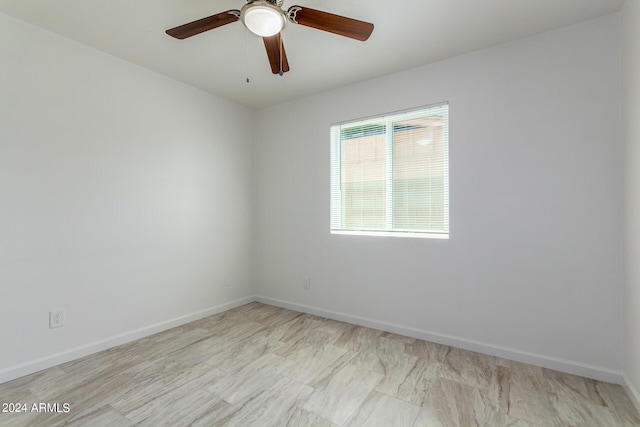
{"x":259,"y":365}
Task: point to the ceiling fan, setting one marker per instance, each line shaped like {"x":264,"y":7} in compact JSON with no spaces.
{"x":267,"y":19}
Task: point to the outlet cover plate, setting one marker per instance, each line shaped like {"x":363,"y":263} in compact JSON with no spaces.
{"x":56,"y":318}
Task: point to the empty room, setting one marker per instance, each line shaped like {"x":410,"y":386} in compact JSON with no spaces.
{"x":351,"y":213}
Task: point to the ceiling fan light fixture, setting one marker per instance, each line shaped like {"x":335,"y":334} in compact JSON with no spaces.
{"x":262,"y":18}
{"x":267,"y":19}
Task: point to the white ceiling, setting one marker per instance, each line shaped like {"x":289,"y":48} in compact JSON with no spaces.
{"x":407,"y":33}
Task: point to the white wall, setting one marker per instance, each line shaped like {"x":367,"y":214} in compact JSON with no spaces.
{"x":533,"y":268}
{"x":125,"y":198}
{"x":631,"y":86}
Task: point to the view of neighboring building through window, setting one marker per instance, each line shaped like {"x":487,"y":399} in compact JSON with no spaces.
{"x":389,"y":175}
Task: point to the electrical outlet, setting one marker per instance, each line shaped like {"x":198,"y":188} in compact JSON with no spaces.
{"x":56,"y":318}
{"x":307,"y":282}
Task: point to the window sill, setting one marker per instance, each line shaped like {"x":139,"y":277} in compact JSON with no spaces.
{"x":408,"y":234}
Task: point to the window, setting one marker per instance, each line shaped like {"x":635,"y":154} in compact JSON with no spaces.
{"x":390,"y":174}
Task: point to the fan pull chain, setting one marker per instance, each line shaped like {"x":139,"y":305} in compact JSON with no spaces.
{"x":247,"y":43}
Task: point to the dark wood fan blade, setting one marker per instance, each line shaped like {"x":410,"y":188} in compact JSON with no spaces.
{"x":335,"y":24}
{"x":274,"y":46}
{"x":204,"y":24}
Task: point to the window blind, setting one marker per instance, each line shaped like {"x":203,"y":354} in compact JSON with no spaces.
{"x":390,"y":174}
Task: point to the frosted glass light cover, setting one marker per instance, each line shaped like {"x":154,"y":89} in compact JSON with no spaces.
{"x":263,"y":21}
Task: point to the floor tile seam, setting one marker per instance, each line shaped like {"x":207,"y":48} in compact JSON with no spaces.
{"x":193,"y":410}
{"x":166,"y":390}
{"x":282,"y":322}
{"x":289,"y":377}
{"x":113,"y":408}
{"x":149,"y":379}
{"x":357,"y":408}
{"x":483,"y":393}
{"x":400,"y":399}
{"x":298,"y":406}
{"x":105,"y":377}
{"x":567,"y":397}
{"x":247,"y":402}
{"x":318,"y":380}
{"x":78,"y":417}
{"x":225,"y":371}
{"x":127,"y":414}
{"x":105,"y":371}
{"x":111,"y":397}
{"x":555,"y":415}
{"x":198,"y":419}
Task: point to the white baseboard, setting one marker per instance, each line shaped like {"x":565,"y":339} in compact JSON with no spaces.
{"x":85,"y":350}
{"x":568,"y":366}
{"x":632,"y":391}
